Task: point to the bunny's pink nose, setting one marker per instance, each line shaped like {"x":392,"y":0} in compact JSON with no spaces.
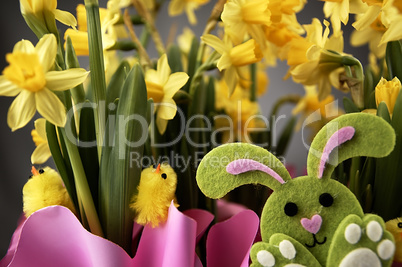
{"x":312,"y":225}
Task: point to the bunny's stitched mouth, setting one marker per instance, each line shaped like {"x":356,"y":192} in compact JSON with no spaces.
{"x":316,"y":242}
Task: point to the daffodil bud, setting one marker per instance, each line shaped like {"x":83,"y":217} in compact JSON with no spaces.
{"x":387,"y":91}
{"x":41,"y":15}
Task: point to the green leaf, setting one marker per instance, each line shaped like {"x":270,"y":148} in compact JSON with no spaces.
{"x":116,"y":82}
{"x":349,"y":106}
{"x":64,"y":170}
{"x":388,"y":176}
{"x":285,"y":137}
{"x":97,"y":67}
{"x":368,"y":86}
{"x":77,"y":92}
{"x":192,"y":61}
{"x":174,"y":58}
{"x":120,"y":180}
{"x":382,"y":111}
{"x":393,"y":57}
{"x":88,"y":150}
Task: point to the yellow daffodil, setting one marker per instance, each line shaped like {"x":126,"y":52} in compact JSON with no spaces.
{"x":177,"y":7}
{"x":320,"y":64}
{"x":40,"y":14}
{"x":384,"y":16}
{"x":371,"y":35}
{"x":30,"y":76}
{"x":242,"y":17}
{"x":42,"y":152}
{"x":233,"y":57}
{"x":80,"y":38}
{"x":339,"y":12}
{"x":161,"y":87}
{"x":387,"y":91}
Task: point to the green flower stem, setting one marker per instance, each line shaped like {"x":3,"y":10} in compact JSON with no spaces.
{"x":83,"y":191}
{"x":150,"y":25}
{"x":97,"y":68}
{"x":291,"y":98}
{"x":356,"y":80}
{"x":211,"y":23}
{"x":208,"y":65}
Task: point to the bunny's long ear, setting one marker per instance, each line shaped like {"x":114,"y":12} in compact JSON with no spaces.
{"x":349,"y":136}
{"x":232,"y":165}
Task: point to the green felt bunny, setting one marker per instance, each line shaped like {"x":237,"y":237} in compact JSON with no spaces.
{"x":311,"y":220}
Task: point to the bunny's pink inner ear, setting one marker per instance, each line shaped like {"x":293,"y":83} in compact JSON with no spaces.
{"x":339,"y":137}
{"x":245,"y":165}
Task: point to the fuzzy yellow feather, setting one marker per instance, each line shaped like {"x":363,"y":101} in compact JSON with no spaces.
{"x":45,"y":188}
{"x":155,"y":193}
{"x":395,"y":227}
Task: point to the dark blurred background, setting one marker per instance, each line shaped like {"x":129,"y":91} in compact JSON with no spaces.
{"x":16,"y":147}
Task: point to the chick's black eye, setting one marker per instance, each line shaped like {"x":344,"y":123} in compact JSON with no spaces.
{"x":163,"y":175}
{"x":41,"y":171}
{"x":400,"y":224}
{"x":291,"y":209}
{"x":326,"y":200}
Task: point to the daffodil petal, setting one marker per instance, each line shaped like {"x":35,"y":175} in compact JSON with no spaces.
{"x":21,"y":110}
{"x":214,"y":42}
{"x":369,"y":16}
{"x":176,"y":81}
{"x":40,"y":127}
{"x":65,"y":17}
{"x":167,"y":109}
{"x":231,"y":79}
{"x":393,"y":33}
{"x":224,"y":62}
{"x":152,"y":76}
{"x":161,"y":124}
{"x":8,"y":88}
{"x":65,"y":79}
{"x":191,"y":15}
{"x":48,"y":5}
{"x":41,"y":154}
{"x":24,"y":46}
{"x":47,"y":50}
{"x":50,"y":107}
{"x":163,"y":69}
{"x":176,"y":7}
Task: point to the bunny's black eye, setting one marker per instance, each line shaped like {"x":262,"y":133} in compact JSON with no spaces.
{"x":400,"y":224}
{"x":326,"y":200}
{"x":163,"y":175}
{"x":291,"y":209}
{"x":41,"y":171}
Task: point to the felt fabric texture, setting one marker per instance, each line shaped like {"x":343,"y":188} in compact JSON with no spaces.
{"x":245,"y":165}
{"x":305,"y":193}
{"x":315,"y":227}
{"x":339,"y":137}
{"x":341,"y":250}
{"x":282,"y":250}
{"x":215,"y":182}
{"x":353,"y":232}
{"x":374,"y":137}
{"x":312,"y":225}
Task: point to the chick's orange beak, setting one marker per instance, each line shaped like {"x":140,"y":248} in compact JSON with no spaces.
{"x":158,"y":168}
{"x":34,"y":171}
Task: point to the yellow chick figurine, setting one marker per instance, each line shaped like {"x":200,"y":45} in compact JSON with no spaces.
{"x":45,"y":188}
{"x":155,"y":193}
{"x":395,"y":227}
